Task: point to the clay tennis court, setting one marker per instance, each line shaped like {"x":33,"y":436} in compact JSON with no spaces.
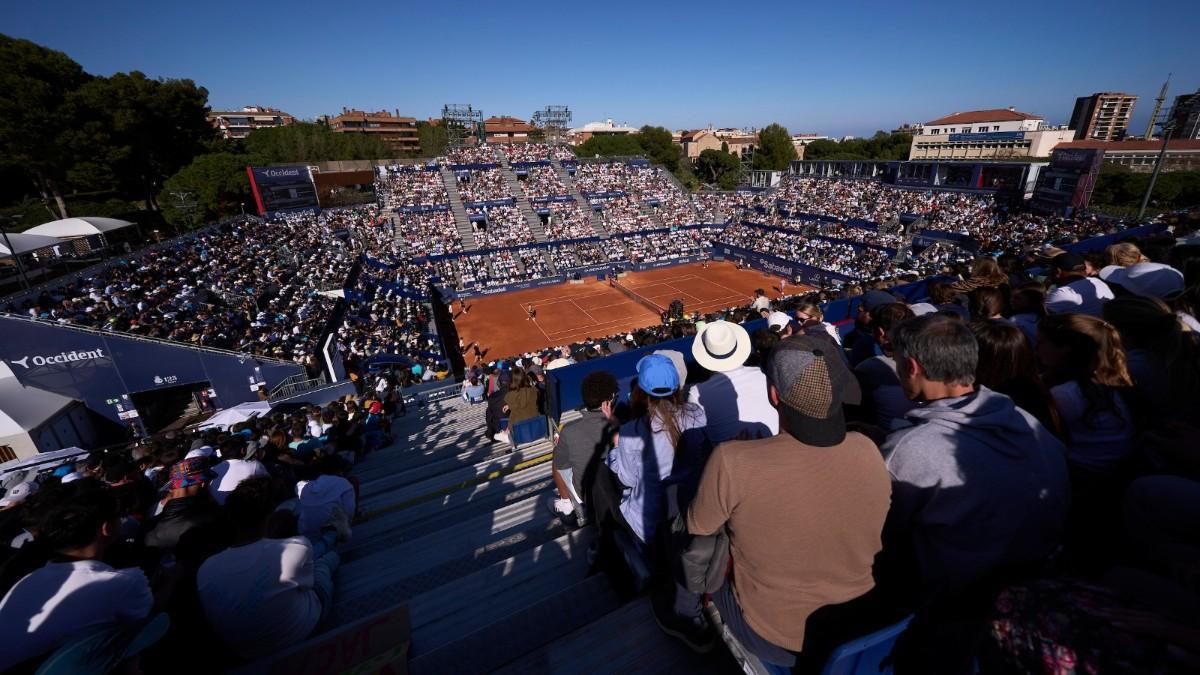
{"x":572,"y":312}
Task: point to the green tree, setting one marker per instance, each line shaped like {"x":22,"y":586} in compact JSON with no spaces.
{"x":433,"y":139}
{"x":775,"y":149}
{"x":713,"y":165}
{"x":610,"y":146}
{"x":35,"y":83}
{"x":881,"y":146}
{"x":659,"y":147}
{"x":142,"y":129}
{"x":305,"y":142}
{"x":217,"y":182}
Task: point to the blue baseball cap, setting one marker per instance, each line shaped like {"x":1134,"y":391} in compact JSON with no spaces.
{"x":657,"y":375}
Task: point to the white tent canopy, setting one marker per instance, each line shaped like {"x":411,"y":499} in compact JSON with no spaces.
{"x":78,"y":227}
{"x":238,"y":413}
{"x":23,"y":242}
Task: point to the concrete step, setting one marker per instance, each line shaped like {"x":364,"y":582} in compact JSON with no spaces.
{"x":626,"y":640}
{"x":383,"y":572}
{"x":469,"y":615}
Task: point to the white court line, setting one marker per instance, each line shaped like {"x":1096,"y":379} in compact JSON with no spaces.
{"x":584,"y":311}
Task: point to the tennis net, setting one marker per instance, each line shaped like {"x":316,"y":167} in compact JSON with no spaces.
{"x":641,"y":299}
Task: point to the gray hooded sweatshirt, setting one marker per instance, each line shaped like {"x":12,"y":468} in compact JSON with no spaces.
{"x":977,"y":484}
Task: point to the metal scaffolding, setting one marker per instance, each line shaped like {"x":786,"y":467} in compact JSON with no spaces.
{"x":461,"y":121}
{"x":554,"y":121}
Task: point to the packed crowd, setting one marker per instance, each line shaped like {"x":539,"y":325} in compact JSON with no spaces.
{"x":663,"y":246}
{"x":603,"y":177}
{"x":1013,"y":460}
{"x":429,"y":233}
{"x":717,"y":207}
{"x":482,"y":154}
{"x":502,"y":226}
{"x":389,"y":324}
{"x":397,"y":186}
{"x":243,"y":286}
{"x":534,"y":262}
{"x":823,"y":254}
{"x":568,"y":221}
{"x":482,"y":185}
{"x":231,"y":532}
{"x":534,"y":152}
{"x":465,"y":271}
{"x":543,"y":181}
{"x":624,"y":214}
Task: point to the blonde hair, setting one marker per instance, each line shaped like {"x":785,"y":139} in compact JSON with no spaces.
{"x":812,"y":309}
{"x":1124,"y":254}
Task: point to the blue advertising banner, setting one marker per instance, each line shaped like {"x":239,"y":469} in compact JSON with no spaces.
{"x":812,"y":276}
{"x":411,"y":168}
{"x":929,"y":237}
{"x":490,"y":203}
{"x":452,"y":294}
{"x":150,"y":365}
{"x":97,"y":368}
{"x":474,"y":167}
{"x":529,"y":165}
{"x":423,"y":208}
{"x":588,"y":270}
{"x":547,"y":200}
{"x":603,"y":195}
{"x":987,"y":137}
{"x":669,"y":262}
{"x":282,"y":188}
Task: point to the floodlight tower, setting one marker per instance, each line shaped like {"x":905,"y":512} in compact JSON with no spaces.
{"x":461,"y":121}
{"x":553,"y":120}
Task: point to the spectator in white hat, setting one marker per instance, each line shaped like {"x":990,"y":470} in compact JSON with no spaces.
{"x":734,"y":398}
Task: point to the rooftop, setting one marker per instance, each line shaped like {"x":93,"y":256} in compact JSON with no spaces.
{"x":990,"y":115}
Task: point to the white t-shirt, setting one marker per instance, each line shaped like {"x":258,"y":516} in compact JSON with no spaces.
{"x":760,"y":303}
{"x":259,"y":597}
{"x":63,"y":601}
{"x":1082,"y":296}
{"x":317,"y":499}
{"x":734,"y":401}
{"x":230,"y":473}
{"x":1098,"y":441}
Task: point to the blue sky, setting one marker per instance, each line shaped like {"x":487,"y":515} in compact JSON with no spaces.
{"x":834,"y":67}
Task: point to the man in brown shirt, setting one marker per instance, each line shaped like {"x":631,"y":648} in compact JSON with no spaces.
{"x":804,"y":509}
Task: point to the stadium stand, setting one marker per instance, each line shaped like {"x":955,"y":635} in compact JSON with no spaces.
{"x":445,"y":509}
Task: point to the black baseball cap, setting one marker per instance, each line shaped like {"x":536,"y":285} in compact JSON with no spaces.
{"x":1068,"y":262}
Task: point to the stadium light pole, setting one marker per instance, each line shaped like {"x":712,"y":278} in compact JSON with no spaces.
{"x":1168,"y":127}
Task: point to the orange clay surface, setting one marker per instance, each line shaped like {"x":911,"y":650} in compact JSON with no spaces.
{"x":572,"y":312}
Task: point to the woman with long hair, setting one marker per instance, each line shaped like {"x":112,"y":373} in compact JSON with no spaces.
{"x":663,"y":443}
{"x":985,"y":273}
{"x":521,"y":400}
{"x":1027,"y":307}
{"x":987,"y":302}
{"x":1124,"y":254}
{"x":1008,"y":365}
{"x":1162,"y":359}
{"x":1085,"y":367}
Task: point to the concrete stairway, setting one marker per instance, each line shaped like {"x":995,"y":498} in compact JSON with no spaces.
{"x":458,"y":531}
{"x":461,"y":221}
{"x":593,"y":217}
{"x":531,"y":217}
{"x":652,"y":213}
